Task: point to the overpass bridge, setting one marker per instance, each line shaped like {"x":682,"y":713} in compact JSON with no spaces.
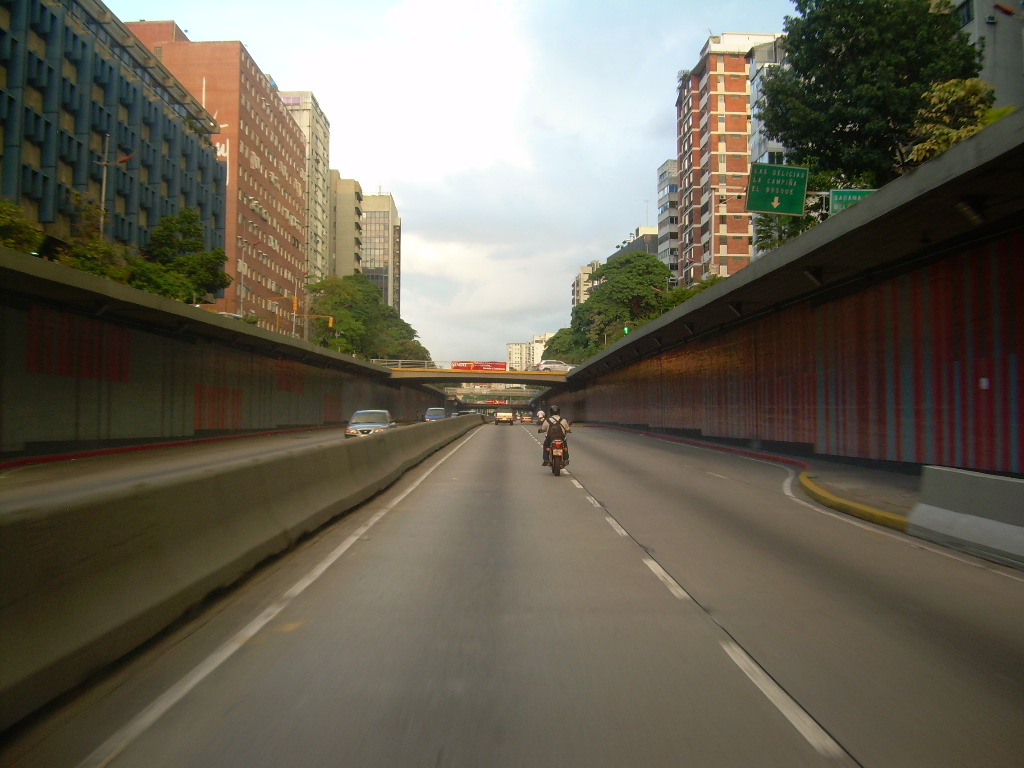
{"x":444,"y":372}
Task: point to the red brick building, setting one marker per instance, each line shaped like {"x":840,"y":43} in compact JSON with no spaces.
{"x":265,"y":152}
{"x":712,"y":135}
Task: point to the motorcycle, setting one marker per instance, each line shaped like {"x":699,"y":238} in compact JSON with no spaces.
{"x":557,"y":456}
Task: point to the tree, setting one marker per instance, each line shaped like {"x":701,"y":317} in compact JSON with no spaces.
{"x":175,"y":265}
{"x":566,"y":346}
{"x":953,"y":111}
{"x":16,"y":231}
{"x":628,"y":292}
{"x":177,"y":243}
{"x":856,"y":75}
{"x":176,"y":236}
{"x":364,"y":326}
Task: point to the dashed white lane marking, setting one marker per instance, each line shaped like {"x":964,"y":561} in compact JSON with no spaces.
{"x":577,"y":483}
{"x":594,"y":501}
{"x":715,"y":474}
{"x":668,"y":581}
{"x":107,"y":752}
{"x":616,"y":527}
{"x":803,"y":722}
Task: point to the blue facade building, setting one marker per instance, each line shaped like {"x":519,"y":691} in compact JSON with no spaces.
{"x":88,"y":114}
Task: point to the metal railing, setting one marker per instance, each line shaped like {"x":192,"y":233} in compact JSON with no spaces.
{"x":447,"y":365}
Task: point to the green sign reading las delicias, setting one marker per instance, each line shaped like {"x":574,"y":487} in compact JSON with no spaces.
{"x":779,"y":189}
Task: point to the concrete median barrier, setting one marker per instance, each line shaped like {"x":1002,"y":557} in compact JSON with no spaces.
{"x":86,"y":577}
{"x":971,"y":511}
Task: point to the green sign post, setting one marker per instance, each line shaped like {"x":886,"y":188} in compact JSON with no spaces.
{"x":779,"y":189}
{"x":841,"y":199}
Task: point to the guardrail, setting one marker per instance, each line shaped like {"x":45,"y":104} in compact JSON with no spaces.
{"x":972,"y":511}
{"x":88,"y":575}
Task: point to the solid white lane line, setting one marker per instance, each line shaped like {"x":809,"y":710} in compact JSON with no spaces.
{"x":123,"y":738}
{"x":668,"y":581}
{"x":803,"y":722}
{"x":616,"y":527}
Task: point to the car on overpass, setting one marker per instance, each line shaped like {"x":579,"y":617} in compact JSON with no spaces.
{"x":369,"y":422}
{"x":551,"y":365}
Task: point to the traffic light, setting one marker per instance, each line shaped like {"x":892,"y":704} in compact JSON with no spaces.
{"x":625,"y":329}
{"x":330,"y":321}
{"x":295,"y":303}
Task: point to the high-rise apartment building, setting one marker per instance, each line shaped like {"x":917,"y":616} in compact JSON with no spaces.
{"x":998,"y":29}
{"x":89,"y":116}
{"x":345,"y":237}
{"x":582,"y":284}
{"x":265,"y":153}
{"x":537,"y":344}
{"x":761,"y":59}
{"x":712,"y":117}
{"x":641,"y":240}
{"x":382,"y":246}
{"x":520,"y":355}
{"x":668,"y":215}
{"x":317,"y":131}
{"x":517,"y":355}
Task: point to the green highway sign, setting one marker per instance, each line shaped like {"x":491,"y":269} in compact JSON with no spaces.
{"x":841,"y":199}
{"x":777,"y":189}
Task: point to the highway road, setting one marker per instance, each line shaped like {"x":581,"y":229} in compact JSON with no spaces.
{"x":658,"y":605}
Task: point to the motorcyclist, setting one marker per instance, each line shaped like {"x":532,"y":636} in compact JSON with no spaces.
{"x":555,"y":428}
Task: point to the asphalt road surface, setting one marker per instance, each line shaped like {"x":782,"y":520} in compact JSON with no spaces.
{"x":656,"y":605}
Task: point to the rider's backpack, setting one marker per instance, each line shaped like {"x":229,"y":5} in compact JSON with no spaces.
{"x":556,"y":428}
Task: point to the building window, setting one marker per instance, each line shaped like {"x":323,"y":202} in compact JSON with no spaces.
{"x":965,"y":12}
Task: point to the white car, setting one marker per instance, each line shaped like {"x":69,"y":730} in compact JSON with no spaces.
{"x":552,"y":365}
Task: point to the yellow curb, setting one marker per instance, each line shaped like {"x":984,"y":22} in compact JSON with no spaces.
{"x":863,"y":511}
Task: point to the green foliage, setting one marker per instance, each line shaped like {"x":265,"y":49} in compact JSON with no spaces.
{"x":175,"y":265}
{"x":364,"y":326}
{"x":16,"y":231}
{"x":628,"y":292}
{"x":176,"y":236}
{"x":177,"y":244}
{"x":856,"y":77}
{"x":565,"y":346}
{"x":953,"y":111}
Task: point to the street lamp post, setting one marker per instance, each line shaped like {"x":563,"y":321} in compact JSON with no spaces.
{"x":106,"y":163}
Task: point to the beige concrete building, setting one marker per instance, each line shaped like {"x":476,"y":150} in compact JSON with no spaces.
{"x":517,"y":355}
{"x":713,"y":113}
{"x":520,"y":355}
{"x":582,"y":284}
{"x":316,"y":128}
{"x":382,"y":246}
{"x":345,"y":236}
{"x":668,"y":215}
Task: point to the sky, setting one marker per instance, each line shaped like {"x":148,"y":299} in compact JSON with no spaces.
{"x":520,"y":138}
